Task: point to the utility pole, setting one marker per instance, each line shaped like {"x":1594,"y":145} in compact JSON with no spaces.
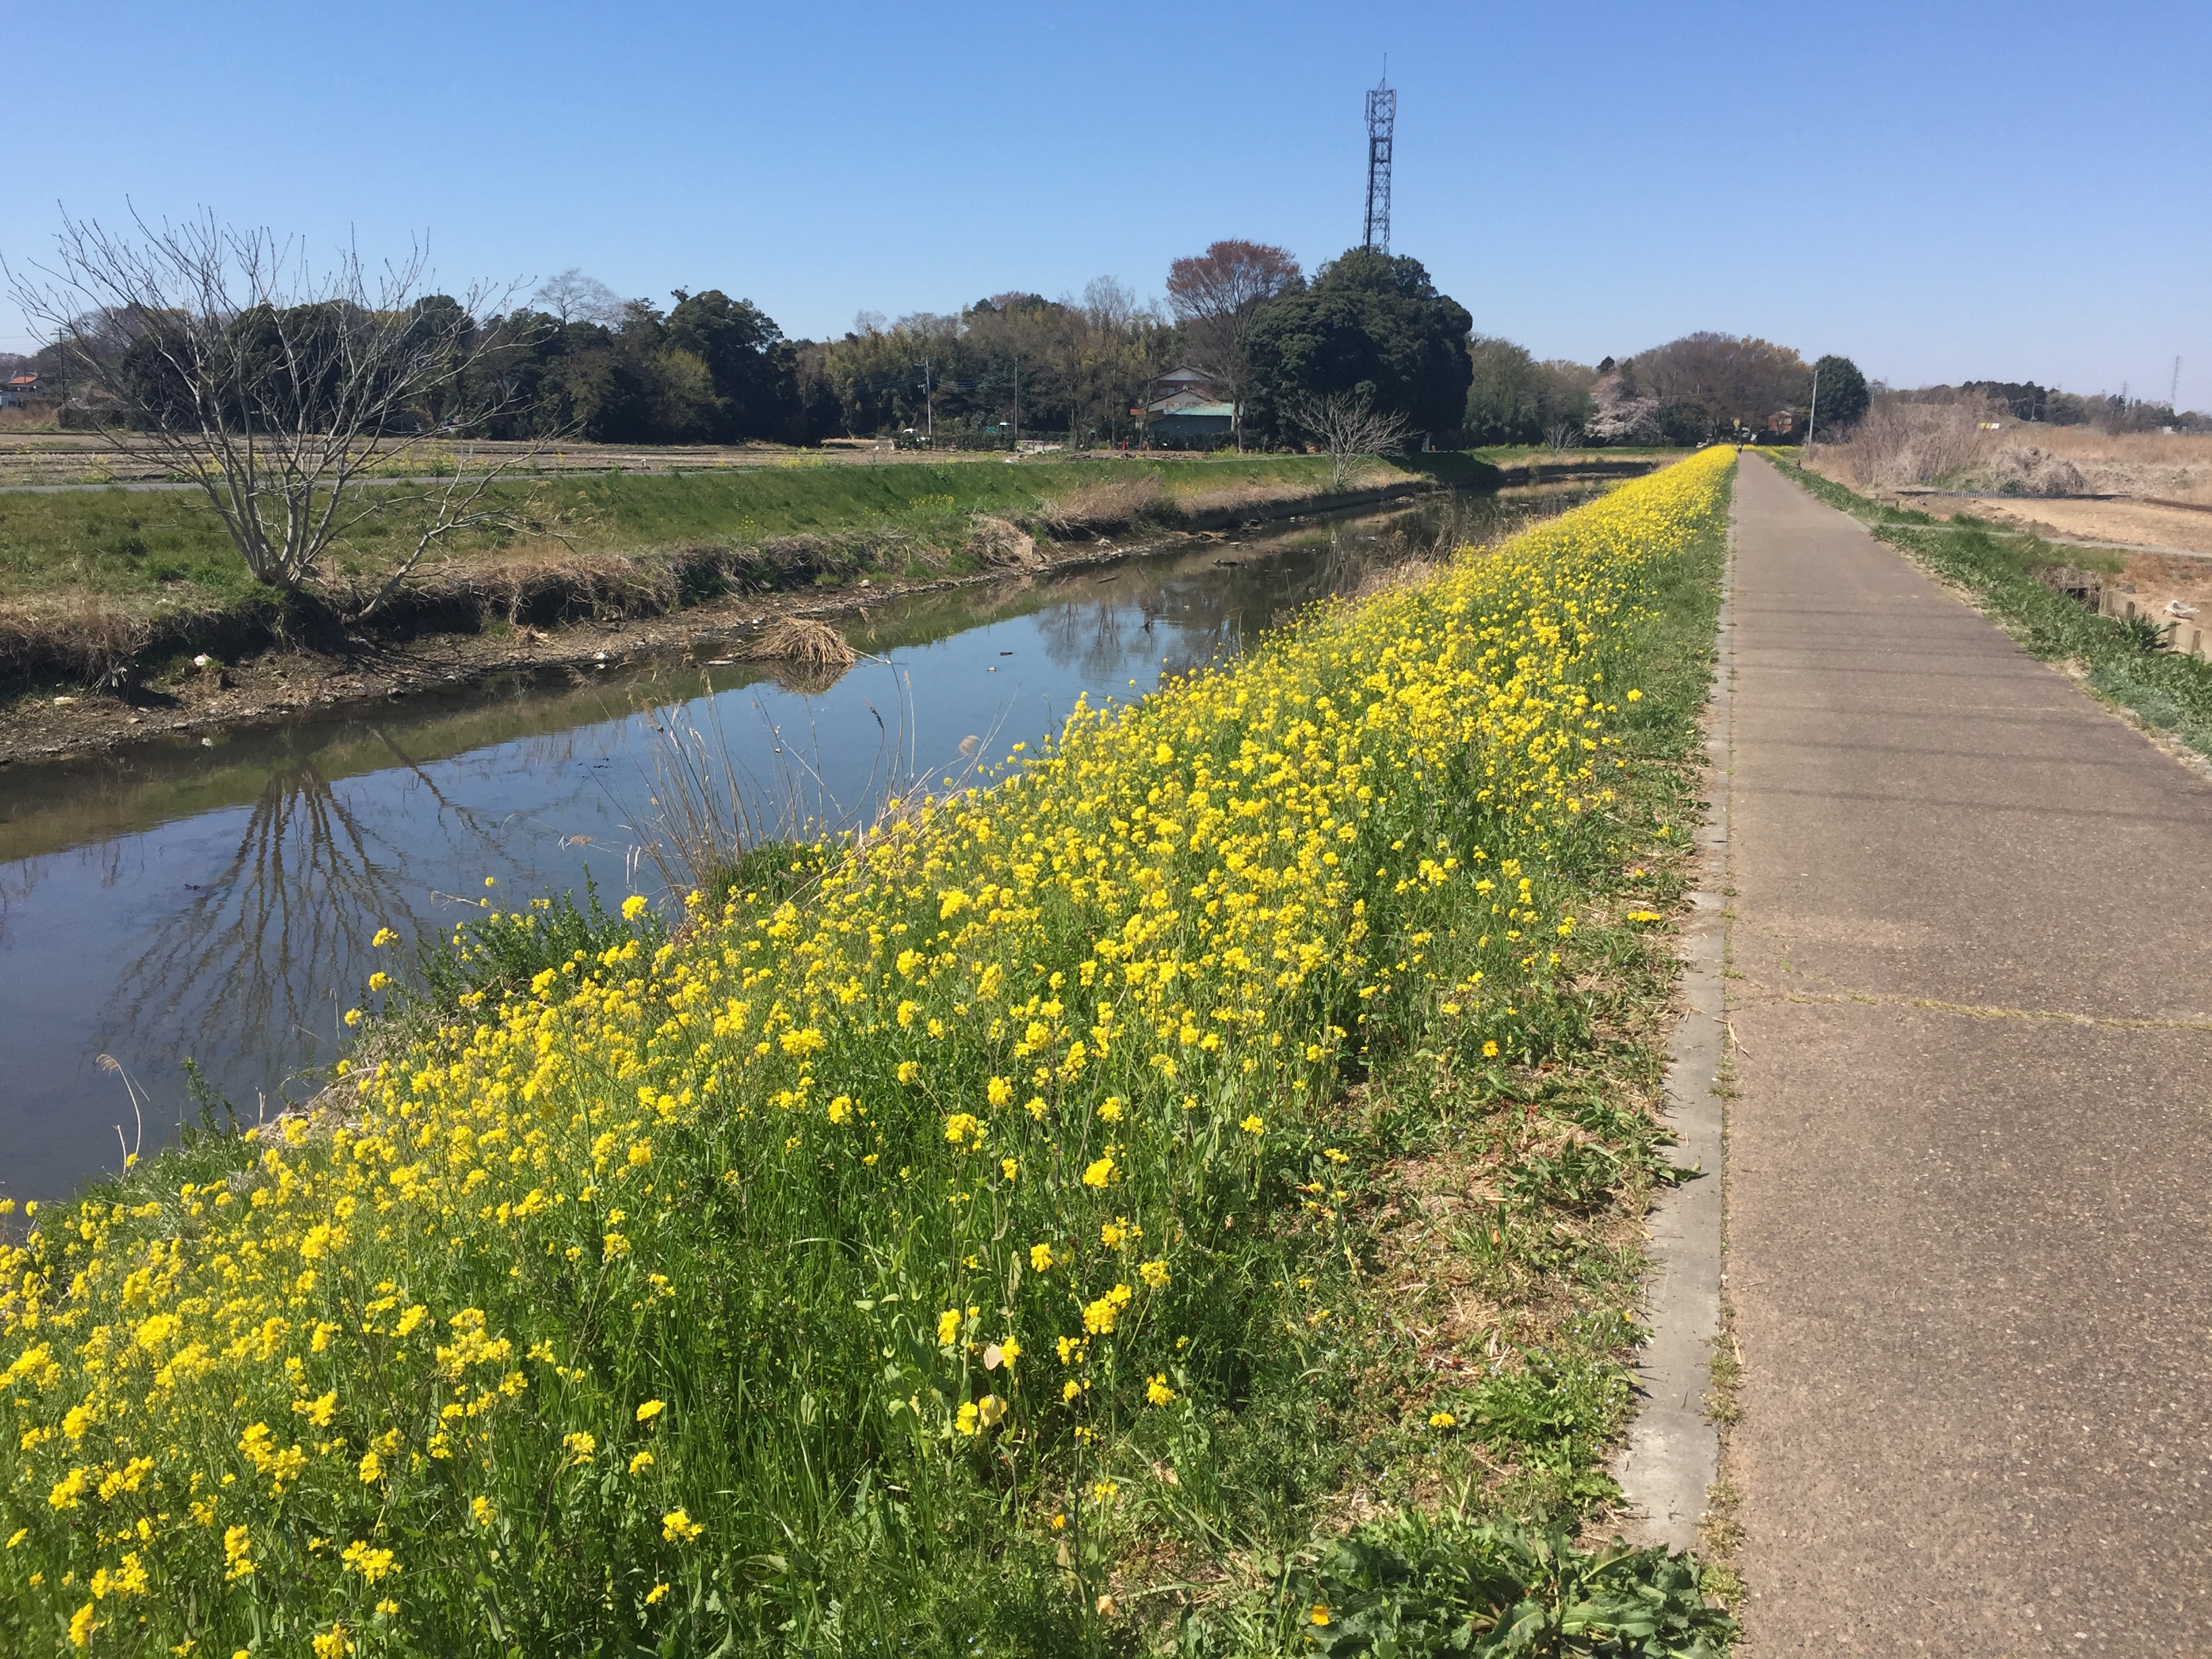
{"x":1812,"y":414}
{"x":2173,"y":392}
{"x":928,"y":403}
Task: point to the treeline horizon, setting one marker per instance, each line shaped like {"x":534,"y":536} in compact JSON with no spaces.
{"x":577,"y":360}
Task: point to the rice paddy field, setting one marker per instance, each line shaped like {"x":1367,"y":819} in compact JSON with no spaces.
{"x":1181,"y":1194}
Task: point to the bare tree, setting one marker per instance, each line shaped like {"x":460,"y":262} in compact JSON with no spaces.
{"x":1560,"y":434}
{"x":1215,"y":295}
{"x":281,"y":391}
{"x":576,"y":298}
{"x":1350,"y":428}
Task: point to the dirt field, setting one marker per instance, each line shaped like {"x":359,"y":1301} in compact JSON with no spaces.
{"x":2130,"y":491}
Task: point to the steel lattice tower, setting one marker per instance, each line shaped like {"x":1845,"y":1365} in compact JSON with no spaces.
{"x":1382,"y":118}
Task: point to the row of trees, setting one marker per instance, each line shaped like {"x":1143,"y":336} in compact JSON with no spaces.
{"x":138,"y":322}
{"x":1694,"y":390}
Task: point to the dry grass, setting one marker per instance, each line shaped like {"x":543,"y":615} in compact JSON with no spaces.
{"x":1899,"y":445}
{"x":802,"y":642}
{"x":83,"y":636}
{"x":1260,"y":493}
{"x":1108,"y":503}
{"x":2148,"y":465}
{"x":1903,"y":445}
{"x":997,"y":541}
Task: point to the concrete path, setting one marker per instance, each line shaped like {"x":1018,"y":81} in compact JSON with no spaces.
{"x":1970,"y":1166}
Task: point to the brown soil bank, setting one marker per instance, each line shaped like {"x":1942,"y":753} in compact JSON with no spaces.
{"x":496,"y":616}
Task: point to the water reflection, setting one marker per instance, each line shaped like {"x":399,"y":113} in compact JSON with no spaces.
{"x":218,"y":903}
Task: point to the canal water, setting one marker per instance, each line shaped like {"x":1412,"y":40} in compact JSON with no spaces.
{"x":180,"y":901}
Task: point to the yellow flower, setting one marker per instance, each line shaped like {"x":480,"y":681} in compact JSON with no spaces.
{"x":1154,"y":1274}
{"x":678,"y":1528}
{"x":642,"y":1461}
{"x":1041,"y":1258}
{"x":1099,"y":1173}
{"x":1253,"y":1124}
{"x":651,"y":1409}
{"x":580,"y":1446}
{"x":1442,"y":1421}
{"x":332,"y":1643}
{"x":384,"y":937}
{"x":481,"y":1508}
{"x":632,"y":907}
{"x":998,"y":1091}
{"x":1158,"y":1392}
{"x":1318,"y":1613}
{"x":370,"y":1563}
{"x":657,"y":1593}
{"x":371,"y":1468}
{"x":948,"y":1327}
{"x":909,"y":1070}
{"x":964,"y":1420}
{"x":81,"y":1625}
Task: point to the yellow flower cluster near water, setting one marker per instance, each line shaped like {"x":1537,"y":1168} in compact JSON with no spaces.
{"x":947,"y":1169}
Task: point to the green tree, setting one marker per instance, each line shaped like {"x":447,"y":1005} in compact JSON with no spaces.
{"x":1514,"y":399}
{"x":753,"y":395}
{"x":1502,"y":393}
{"x":1843,"y":393}
{"x":1369,"y":326}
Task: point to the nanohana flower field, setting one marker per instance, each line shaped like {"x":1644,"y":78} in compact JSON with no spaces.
{"x":933,"y":1209}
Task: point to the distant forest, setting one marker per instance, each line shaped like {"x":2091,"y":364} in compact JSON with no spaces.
{"x":578,"y":359}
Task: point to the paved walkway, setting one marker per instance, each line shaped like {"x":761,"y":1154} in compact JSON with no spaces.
{"x":1970,"y":1167}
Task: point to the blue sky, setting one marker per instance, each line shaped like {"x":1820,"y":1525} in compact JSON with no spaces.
{"x":1939,"y":190}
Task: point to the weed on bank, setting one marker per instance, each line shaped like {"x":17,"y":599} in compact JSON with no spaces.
{"x":1044,"y":1230}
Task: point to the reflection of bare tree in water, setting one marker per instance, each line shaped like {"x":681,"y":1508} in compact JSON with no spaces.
{"x":266,"y":948}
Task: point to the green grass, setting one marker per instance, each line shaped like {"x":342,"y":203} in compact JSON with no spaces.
{"x":168,"y":545}
{"x":1999,"y":567}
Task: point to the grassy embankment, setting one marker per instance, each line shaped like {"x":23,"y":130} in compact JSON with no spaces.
{"x":1042,"y":1229}
{"x":2002,"y":570}
{"x":89,"y":579}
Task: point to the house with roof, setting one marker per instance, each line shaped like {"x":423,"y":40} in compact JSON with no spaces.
{"x":1190,"y":411}
{"x":17,"y":389}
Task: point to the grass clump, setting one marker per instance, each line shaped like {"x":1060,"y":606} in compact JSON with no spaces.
{"x":999,"y":1235}
{"x":1416,"y":1585}
{"x":2125,"y":662}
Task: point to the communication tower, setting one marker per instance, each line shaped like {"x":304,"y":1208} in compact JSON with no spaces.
{"x":1382,"y":118}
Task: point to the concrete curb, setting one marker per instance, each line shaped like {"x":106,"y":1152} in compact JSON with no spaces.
{"x":1672,"y":1455}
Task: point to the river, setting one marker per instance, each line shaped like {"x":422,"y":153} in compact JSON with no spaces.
{"x":180,"y":901}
